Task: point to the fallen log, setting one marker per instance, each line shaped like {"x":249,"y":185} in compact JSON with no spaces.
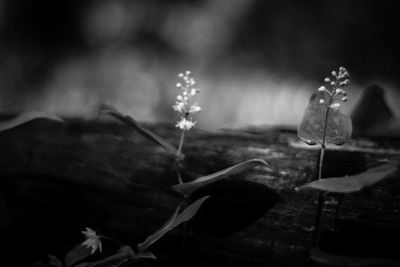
{"x":57,"y":179}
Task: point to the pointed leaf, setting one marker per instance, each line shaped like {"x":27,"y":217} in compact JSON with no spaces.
{"x":353,"y":183}
{"x":311,"y":128}
{"x":174,"y":221}
{"x":27,"y":117}
{"x":106,"y":109}
{"x":146,"y":255}
{"x":76,"y":254}
{"x":329,"y":259}
{"x":159,"y":233}
{"x":188,"y":188}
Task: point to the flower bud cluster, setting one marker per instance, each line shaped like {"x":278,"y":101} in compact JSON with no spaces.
{"x":183,"y":103}
{"x":337,"y":81}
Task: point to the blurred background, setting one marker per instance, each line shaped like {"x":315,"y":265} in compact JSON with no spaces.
{"x":256,"y":62}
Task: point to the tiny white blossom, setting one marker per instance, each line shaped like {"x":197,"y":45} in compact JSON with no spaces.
{"x":335,"y":106}
{"x":185,"y":124}
{"x":92,"y":240}
{"x":321,"y":101}
{"x":195,"y":108}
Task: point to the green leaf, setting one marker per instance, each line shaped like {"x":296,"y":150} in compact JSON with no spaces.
{"x":329,"y":259}
{"x":174,"y":221}
{"x":106,"y":109}
{"x":188,"y":188}
{"x":27,"y":117}
{"x":353,"y":183}
{"x":311,"y":128}
{"x":76,"y":254}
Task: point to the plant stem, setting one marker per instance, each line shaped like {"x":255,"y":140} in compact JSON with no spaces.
{"x":181,"y":142}
{"x":320,"y":165}
{"x":178,"y":172}
{"x":184,"y":235}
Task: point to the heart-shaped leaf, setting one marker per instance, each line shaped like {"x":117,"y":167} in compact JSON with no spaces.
{"x":353,"y":183}
{"x":174,"y":221}
{"x":76,"y":254}
{"x":311,"y":128}
{"x":329,"y":259}
{"x":27,"y":117}
{"x":188,"y":188}
{"x":107,"y":109}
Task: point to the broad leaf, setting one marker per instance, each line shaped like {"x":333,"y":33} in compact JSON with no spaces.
{"x":174,"y":221}
{"x":76,"y":254}
{"x":27,"y":117}
{"x":106,"y":109}
{"x":329,"y":259}
{"x":188,"y":188}
{"x":353,"y":183}
{"x":311,"y":128}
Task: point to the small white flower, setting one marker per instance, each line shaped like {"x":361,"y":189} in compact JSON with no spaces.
{"x":185,"y":124}
{"x":327,"y":80}
{"x":92,"y":240}
{"x":344,"y":99}
{"x":321,"y":101}
{"x":335,"y":106}
{"x":321,"y":89}
{"x":194,"y":108}
{"x":179,"y":107}
{"x":333,"y":73}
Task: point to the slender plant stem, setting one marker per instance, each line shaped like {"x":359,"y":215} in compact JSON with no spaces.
{"x":184,"y":235}
{"x":320,"y":165}
{"x":181,"y":142}
{"x":177,"y":161}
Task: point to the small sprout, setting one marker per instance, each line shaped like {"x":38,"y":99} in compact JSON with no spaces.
{"x":92,"y":240}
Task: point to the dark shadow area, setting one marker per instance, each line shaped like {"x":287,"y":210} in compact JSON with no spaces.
{"x":232,"y":206}
{"x":48,"y":215}
{"x":342,"y":163}
{"x":357,"y":239}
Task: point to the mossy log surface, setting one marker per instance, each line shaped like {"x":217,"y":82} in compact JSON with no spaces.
{"x":57,"y":179}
